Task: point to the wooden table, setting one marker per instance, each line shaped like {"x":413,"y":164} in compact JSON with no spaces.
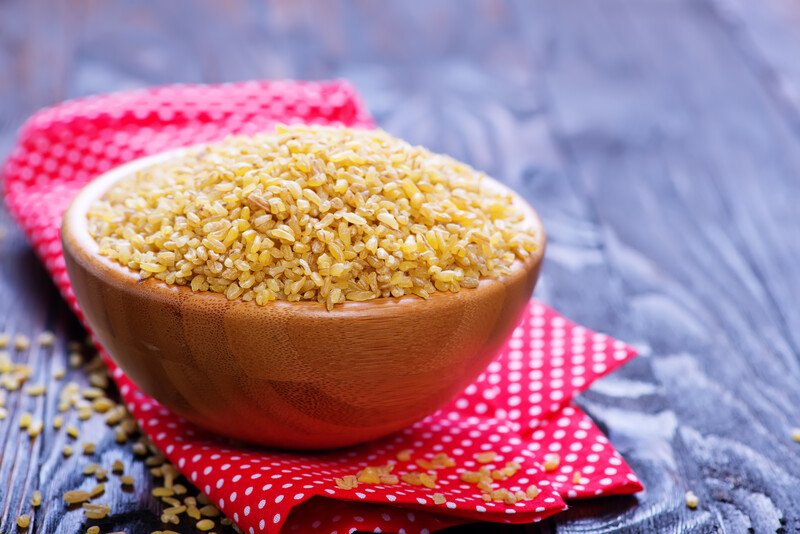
{"x":659,"y":139}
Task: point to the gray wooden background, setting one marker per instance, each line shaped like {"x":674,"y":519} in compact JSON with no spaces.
{"x":659,"y":139}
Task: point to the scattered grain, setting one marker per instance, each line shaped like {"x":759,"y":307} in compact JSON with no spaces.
{"x":90,"y":469}
{"x":346,"y":482}
{"x":67,"y":451}
{"x":96,"y":511}
{"x":89,"y":448}
{"x":36,"y":499}
{"x":21,"y":342}
{"x":102,"y":405}
{"x":162,"y":492}
{"x":796,"y":434}
{"x":93,"y":530}
{"x":415,"y":478}
{"x":404,"y":455}
{"x":72,"y":431}
{"x":35,"y":429}
{"x":691,"y":500}
{"x":46,"y":339}
{"x":25,"y":420}
{"x":209,"y":510}
{"x":75,"y":360}
{"x":485,"y":457}
{"x":551,"y":461}
{"x":168,"y":518}
{"x":76,"y":496}
{"x":24,"y":521}
{"x":99,"y":379}
{"x":118,"y":467}
{"x":204,"y":525}
{"x":126,"y":480}
{"x":139,"y":449}
{"x":97,"y":490}
{"x":438,"y":498}
{"x":36,"y":390}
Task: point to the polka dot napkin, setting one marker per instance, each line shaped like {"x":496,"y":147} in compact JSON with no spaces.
{"x":520,"y":408}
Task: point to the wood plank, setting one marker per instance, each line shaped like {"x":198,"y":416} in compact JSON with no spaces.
{"x":659,"y":140}
{"x":687,"y":160}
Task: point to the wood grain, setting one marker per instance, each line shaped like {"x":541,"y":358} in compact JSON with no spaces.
{"x":658,"y":139}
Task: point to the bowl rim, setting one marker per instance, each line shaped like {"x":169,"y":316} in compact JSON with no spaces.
{"x":76,"y":238}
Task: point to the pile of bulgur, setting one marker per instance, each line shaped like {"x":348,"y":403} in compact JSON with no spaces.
{"x":313,"y":213}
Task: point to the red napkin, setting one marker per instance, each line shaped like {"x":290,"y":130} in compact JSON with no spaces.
{"x":520,"y":408}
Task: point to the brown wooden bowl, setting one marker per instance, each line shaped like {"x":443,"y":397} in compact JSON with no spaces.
{"x":290,"y":375}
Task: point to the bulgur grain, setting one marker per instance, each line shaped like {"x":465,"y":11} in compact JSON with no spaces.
{"x":36,"y":390}
{"x":532,"y":491}
{"x":25,"y":420}
{"x":209,"y":510}
{"x":485,"y":457}
{"x":46,"y":339}
{"x":94,"y":529}
{"x":167,"y":518}
{"x":21,"y":342}
{"x":24,"y":521}
{"x":551,"y":461}
{"x":75,"y":360}
{"x":76,"y":496}
{"x":438,"y":498}
{"x":118,"y":467}
{"x":404,"y":455}
{"x":96,"y":511}
{"x":92,"y":393}
{"x":72,"y":431}
{"x":691,"y":500}
{"x":312,"y":213}
{"x":126,"y":480}
{"x":67,"y":451}
{"x":204,"y":525}
{"x":102,"y":405}
{"x":35,"y":429}
{"x":90,"y":469}
{"x":162,"y":492}
{"x":36,"y":499}
{"x":97,"y":490}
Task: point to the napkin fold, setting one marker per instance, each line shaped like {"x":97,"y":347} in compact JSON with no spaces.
{"x":520,"y":408}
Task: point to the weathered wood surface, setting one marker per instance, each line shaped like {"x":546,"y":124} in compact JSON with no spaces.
{"x":659,"y":139}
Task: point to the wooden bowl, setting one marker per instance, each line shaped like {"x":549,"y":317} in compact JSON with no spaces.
{"x":290,"y":375}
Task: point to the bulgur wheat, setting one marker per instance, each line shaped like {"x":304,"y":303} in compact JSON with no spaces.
{"x":312,"y":213}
